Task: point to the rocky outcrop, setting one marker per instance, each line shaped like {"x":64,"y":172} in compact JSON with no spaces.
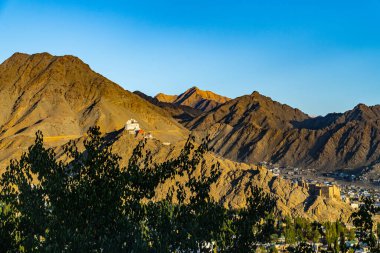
{"x":233,"y":186}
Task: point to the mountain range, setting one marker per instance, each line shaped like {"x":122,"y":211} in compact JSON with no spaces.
{"x":254,"y":128}
{"x":62,"y":96}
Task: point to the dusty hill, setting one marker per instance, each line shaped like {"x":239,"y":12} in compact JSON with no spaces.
{"x":254,"y":128}
{"x":181,"y":113}
{"x":62,"y":96}
{"x":232,"y":186}
{"x":195,"y":98}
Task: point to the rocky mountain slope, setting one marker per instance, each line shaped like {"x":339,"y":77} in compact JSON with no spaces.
{"x":181,"y":113}
{"x":195,"y":98}
{"x":63,"y":97}
{"x":255,"y":128}
{"x":232,"y":187}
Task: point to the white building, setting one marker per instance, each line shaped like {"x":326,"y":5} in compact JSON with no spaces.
{"x":132,"y":126}
{"x":148,"y":136}
{"x":355,"y":205}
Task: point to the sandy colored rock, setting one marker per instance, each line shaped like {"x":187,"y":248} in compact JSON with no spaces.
{"x":232,"y":187}
{"x":63,"y":97}
{"x":195,"y":98}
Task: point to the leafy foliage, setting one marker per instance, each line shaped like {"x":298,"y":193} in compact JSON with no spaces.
{"x":91,"y":204}
{"x":301,"y":248}
{"x":363,"y":221}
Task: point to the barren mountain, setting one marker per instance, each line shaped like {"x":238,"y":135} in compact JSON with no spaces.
{"x":195,"y":98}
{"x":63,"y":97}
{"x":232,"y":187}
{"x":181,"y":113}
{"x":254,"y":128}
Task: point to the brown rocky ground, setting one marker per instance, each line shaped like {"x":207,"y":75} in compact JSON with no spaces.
{"x":255,"y":128}
{"x":63,"y":97}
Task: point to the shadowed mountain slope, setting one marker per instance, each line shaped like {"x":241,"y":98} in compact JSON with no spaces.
{"x":181,"y":113}
{"x":254,"y":128}
{"x":63,"y":97}
{"x":232,"y":187}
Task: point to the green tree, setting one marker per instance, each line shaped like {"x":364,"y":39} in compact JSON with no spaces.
{"x":273,"y":250}
{"x":332,"y":235}
{"x":251,"y":221}
{"x":8,"y":232}
{"x":91,"y":204}
{"x":76,"y":206}
{"x":351,"y":235}
{"x":363,"y":221}
{"x":290,"y":231}
{"x":302,"y":247}
{"x":342,"y":242}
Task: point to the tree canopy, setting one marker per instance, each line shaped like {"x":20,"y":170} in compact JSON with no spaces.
{"x":89,"y":203}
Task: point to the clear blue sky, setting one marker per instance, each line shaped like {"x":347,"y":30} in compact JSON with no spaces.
{"x":319,"y":56}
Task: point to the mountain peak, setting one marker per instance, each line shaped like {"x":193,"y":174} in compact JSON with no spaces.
{"x":362,"y":112}
{"x":63,"y":96}
{"x":194,"y":88}
{"x":165,"y":98}
{"x":19,"y":54}
{"x":361,"y":107}
{"x":195,"y":98}
{"x":44,"y":55}
{"x":255,"y":93}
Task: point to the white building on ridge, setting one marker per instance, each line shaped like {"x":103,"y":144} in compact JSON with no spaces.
{"x":132,"y":126}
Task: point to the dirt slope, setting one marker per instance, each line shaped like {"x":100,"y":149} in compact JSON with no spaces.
{"x":63,"y":97}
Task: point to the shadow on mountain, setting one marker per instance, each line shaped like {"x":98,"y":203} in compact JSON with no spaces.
{"x":316,"y":123}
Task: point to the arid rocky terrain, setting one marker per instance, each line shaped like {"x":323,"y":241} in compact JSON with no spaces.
{"x":254,"y":128}
{"x":194,"y":98}
{"x":63,"y":97}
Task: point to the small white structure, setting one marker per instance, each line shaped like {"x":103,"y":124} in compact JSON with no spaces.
{"x":148,"y":136}
{"x":355,"y":205}
{"x":132,"y":126}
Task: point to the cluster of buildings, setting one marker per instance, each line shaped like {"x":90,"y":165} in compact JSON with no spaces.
{"x":287,"y":172}
{"x":350,"y":192}
{"x":326,"y":189}
{"x":355,"y":194}
{"x":315,"y":188}
{"x":316,"y":247}
{"x":133,"y":128}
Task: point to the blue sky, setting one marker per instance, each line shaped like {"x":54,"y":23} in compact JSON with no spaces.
{"x":319,"y":56}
